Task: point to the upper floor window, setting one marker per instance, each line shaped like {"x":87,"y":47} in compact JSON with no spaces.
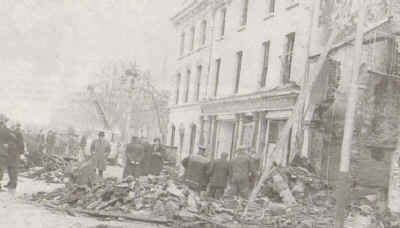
{"x":265,"y":63}
{"x":198,"y":82}
{"x":287,"y":57}
{"x":223,"y":22}
{"x":187,"y":87}
{"x":182,"y":44}
{"x":239,"y":57}
{"x":192,"y":37}
{"x":270,"y":6}
{"x":245,"y":9}
{"x":203,"y":32}
{"x":178,"y":84}
{"x":217,"y":72}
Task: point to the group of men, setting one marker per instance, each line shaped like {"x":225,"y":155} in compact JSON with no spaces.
{"x":141,"y":158}
{"x":213,"y":177}
{"x":11,"y":148}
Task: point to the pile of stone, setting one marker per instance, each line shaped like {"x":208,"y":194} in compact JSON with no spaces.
{"x":52,"y":170}
{"x":166,"y":197}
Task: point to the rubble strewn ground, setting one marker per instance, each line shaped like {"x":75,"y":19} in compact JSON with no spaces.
{"x":16,"y":212}
{"x":167,"y":199}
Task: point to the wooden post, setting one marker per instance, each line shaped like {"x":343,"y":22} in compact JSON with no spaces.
{"x":235,"y":135}
{"x":256,"y":120}
{"x":344,"y":185}
{"x":240,"y":131}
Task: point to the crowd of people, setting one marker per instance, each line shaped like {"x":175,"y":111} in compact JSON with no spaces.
{"x":213,"y":177}
{"x":139,"y":158}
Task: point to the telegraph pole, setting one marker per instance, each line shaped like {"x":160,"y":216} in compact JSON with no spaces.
{"x":344,"y":184}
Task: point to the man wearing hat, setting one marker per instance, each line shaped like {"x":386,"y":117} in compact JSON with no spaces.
{"x":7,"y":143}
{"x":100,"y":149}
{"x":196,"y":170}
{"x":134,"y":158}
{"x":14,"y":153}
{"x":241,"y":169}
{"x":218,"y":172}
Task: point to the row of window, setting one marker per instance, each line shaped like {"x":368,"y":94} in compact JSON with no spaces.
{"x":189,"y":41}
{"x":286,"y":60}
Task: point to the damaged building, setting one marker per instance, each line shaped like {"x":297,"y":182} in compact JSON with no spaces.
{"x":240,"y":69}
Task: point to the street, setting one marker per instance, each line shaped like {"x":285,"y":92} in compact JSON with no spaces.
{"x":18,"y":212}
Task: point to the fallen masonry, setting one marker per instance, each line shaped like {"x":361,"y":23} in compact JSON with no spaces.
{"x":291,"y":197}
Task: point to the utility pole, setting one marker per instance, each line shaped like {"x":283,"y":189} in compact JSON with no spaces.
{"x":344,"y":184}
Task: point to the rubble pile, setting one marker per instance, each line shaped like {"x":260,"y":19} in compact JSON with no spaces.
{"x":52,"y":171}
{"x":300,"y":203}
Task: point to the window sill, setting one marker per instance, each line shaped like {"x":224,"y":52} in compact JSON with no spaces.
{"x":241,"y":28}
{"x":292,"y":5}
{"x":269,"y":16}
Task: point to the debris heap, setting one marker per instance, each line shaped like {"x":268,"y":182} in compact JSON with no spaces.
{"x":52,"y":171}
{"x":293,"y":197}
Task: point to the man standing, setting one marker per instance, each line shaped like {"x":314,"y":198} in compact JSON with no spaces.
{"x":218,"y":172}
{"x":196,"y":170}
{"x":100,"y":149}
{"x":14,"y":152}
{"x":156,"y":160}
{"x":6,"y":140}
{"x":240,"y":171}
{"x":50,"y":141}
{"x":134,"y":158}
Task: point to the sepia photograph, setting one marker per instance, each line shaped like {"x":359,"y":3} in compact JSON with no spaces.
{"x":200,"y":113}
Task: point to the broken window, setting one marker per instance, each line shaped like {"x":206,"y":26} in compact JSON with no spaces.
{"x":178,"y":84}
{"x":198,"y":82}
{"x":192,"y":37}
{"x":264,"y":72}
{"x":287,"y":57}
{"x":217,"y":72}
{"x":223,"y":18}
{"x":270,"y":6}
{"x":239,"y":56}
{"x":187,"y":86}
{"x":245,"y":9}
{"x":203,"y":32}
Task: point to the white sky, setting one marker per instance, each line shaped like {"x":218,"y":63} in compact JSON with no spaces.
{"x":64,"y":41}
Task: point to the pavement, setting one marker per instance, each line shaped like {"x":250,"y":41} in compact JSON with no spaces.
{"x":17,"y":212}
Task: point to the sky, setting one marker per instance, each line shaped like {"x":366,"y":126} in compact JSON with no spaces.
{"x":56,"y":45}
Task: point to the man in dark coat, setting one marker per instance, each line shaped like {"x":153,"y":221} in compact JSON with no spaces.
{"x":196,"y":170}
{"x":218,"y":172}
{"x":156,"y":160}
{"x":134,"y":158}
{"x":14,"y":152}
{"x":6,"y":140}
{"x":241,"y":168}
{"x":8,"y":153}
{"x":145,"y":165}
{"x":100,"y":150}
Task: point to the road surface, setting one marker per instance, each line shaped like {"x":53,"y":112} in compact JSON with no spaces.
{"x":17,"y":212}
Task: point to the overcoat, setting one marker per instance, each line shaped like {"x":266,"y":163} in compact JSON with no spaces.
{"x":100,"y":149}
{"x":196,"y":171}
{"x":218,"y":172}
